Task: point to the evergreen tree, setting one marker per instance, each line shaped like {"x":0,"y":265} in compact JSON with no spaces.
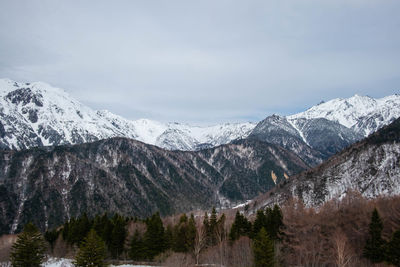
{"x":393,"y":249}
{"x":274,"y":223}
{"x":77,"y":229}
{"x":29,"y":248}
{"x":98,"y":225}
{"x":154,"y":237}
{"x":137,"y":249}
{"x":118,"y":236}
{"x":374,"y":247}
{"x":91,"y":252}
{"x":169,"y":237}
{"x":212,"y":238}
{"x":260,"y":222}
{"x":106,"y":233}
{"x":263,"y":250}
{"x":180,"y":235}
{"x":240,"y":227}
{"x":191,"y":233}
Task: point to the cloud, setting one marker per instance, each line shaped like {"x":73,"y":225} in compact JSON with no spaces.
{"x":203,"y":60}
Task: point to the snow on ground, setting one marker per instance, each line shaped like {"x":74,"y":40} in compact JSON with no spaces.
{"x":242,"y":204}
{"x":61,"y":262}
{"x":57,"y":262}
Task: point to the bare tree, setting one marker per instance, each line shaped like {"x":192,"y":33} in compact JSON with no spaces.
{"x":200,"y":241}
{"x":179,"y":260}
{"x":221,"y":237}
{"x":240,"y":253}
{"x":344,"y":253}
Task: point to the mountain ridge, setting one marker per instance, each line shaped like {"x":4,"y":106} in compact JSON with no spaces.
{"x":37,"y":114}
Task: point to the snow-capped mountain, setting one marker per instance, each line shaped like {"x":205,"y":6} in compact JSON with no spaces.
{"x":327,"y":128}
{"x":363,"y":114}
{"x":37,"y":114}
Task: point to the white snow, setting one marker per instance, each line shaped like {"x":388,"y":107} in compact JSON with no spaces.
{"x":293,"y":123}
{"x":62,"y":262}
{"x":75,"y":122}
{"x":67,"y":116}
{"x":242,"y":204}
{"x":351,"y":111}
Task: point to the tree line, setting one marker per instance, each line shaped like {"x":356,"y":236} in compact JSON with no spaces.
{"x":272,"y":237}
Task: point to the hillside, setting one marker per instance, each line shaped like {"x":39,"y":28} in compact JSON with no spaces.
{"x":49,"y":185}
{"x":370,"y":166}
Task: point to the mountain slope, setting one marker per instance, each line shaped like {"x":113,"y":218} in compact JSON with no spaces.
{"x":363,"y":114}
{"x":327,"y":128}
{"x":48,"y":185}
{"x":371,"y":167}
{"x":278,"y":130}
{"x":37,"y":114}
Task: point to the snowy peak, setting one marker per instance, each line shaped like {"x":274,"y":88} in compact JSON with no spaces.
{"x":37,"y":114}
{"x":327,"y":128}
{"x":355,"y":112}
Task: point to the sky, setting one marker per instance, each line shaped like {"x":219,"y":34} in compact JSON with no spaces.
{"x":204,"y":61}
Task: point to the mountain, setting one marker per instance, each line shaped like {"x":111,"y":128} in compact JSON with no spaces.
{"x":48,"y":185}
{"x":370,"y":166}
{"x":278,"y":130}
{"x":313,"y":140}
{"x":327,"y":128}
{"x":37,"y":114}
{"x":363,"y":114}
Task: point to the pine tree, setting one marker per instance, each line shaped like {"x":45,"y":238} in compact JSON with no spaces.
{"x":274,"y":222}
{"x":118,"y":236}
{"x":137,"y":247}
{"x":91,"y":252}
{"x":191,"y":233}
{"x":212,"y":238}
{"x":169,"y":237}
{"x":374,"y":247}
{"x":179,"y":235}
{"x":29,"y":248}
{"x":260,"y":222}
{"x":263,"y":249}
{"x":393,"y":249}
{"x":106,"y":234}
{"x":240,"y":227}
{"x":154,"y":237}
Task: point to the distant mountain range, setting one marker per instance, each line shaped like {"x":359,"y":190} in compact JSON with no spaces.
{"x":37,"y":114}
{"x":60,"y":158}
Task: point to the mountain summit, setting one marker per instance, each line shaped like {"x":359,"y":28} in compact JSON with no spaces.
{"x":37,"y":114}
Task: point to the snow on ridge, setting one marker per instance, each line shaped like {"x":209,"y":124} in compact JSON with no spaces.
{"x":70,"y":122}
{"x":349,"y":111}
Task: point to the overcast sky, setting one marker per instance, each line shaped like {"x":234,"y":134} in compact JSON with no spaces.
{"x":204,"y":61}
